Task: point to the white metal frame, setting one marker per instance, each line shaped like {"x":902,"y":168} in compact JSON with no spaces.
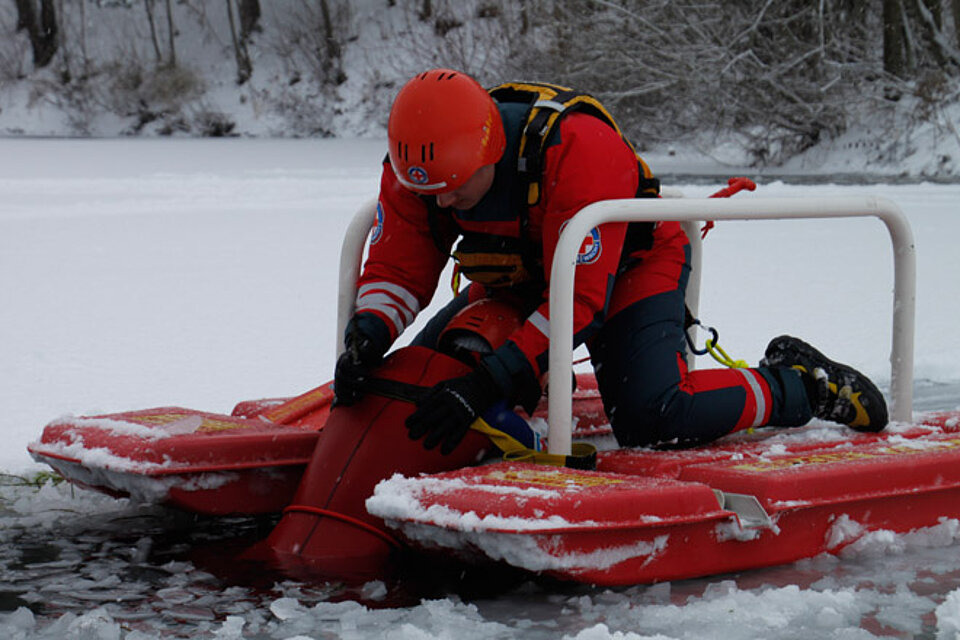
{"x":688,"y":211}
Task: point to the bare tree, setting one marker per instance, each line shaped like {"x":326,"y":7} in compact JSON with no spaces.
{"x":781,"y":75}
{"x":249,"y":17}
{"x":894,"y":48}
{"x":333,"y":59}
{"x":308,"y":38}
{"x":154,"y":36}
{"x":914,"y":37}
{"x":42,"y":30}
{"x":778,"y":73}
{"x":955,"y":10}
{"x":242,"y":57}
{"x":148,"y":5}
{"x":171,"y":33}
{"x":83,"y":38}
{"x":929,"y":16}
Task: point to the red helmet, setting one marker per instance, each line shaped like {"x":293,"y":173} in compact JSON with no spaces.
{"x":443,"y":127}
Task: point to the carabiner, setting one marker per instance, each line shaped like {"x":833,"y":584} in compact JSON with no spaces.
{"x":714,"y":337}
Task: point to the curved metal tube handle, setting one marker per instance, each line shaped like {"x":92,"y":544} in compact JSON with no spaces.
{"x":560,"y":404}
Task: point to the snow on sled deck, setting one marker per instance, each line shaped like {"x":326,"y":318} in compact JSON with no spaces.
{"x":201,"y":462}
{"x":249,"y":462}
{"x":688,"y":513}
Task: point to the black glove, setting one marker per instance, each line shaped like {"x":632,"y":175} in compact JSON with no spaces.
{"x":450,"y":407}
{"x":366,"y":339}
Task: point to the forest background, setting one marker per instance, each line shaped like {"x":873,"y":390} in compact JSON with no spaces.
{"x":765,"y":83}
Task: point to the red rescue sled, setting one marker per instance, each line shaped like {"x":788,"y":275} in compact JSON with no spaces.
{"x":746,"y":501}
{"x":352,"y":486}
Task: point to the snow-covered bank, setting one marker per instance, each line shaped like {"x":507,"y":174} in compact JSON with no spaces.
{"x":107,"y":81}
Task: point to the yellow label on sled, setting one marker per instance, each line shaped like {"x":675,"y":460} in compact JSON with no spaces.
{"x":207,"y":424}
{"x":552,"y":478}
{"x":831,"y":457}
{"x":210,"y":424}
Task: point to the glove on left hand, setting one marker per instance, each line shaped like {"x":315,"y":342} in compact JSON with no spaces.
{"x":450,"y":407}
{"x":366,"y":340}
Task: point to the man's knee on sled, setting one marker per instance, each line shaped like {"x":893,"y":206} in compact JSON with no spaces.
{"x":688,"y":409}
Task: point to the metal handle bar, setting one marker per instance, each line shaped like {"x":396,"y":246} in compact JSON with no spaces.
{"x":560,"y":404}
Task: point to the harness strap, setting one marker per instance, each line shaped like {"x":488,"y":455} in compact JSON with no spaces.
{"x":396,"y":390}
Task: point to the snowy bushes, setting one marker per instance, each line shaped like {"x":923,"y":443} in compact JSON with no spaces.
{"x":152,"y":95}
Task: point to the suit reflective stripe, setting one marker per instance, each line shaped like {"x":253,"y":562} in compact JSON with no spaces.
{"x":541,"y":322}
{"x":390,"y":300}
{"x":385,"y":304}
{"x":401,"y":294}
{"x":756,"y":387}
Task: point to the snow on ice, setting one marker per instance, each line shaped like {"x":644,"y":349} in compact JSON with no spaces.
{"x":197,"y":273}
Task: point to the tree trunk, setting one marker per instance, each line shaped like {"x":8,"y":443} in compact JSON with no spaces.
{"x":66,"y":63}
{"x":931,"y":20}
{"x":26,"y":15}
{"x":171,"y":33}
{"x":894,"y":58}
{"x":42,"y":31}
{"x":249,"y":11}
{"x":153,"y":31}
{"x":955,"y":5}
{"x":936,"y":11}
{"x":244,"y":67}
{"x":48,"y":33}
{"x":83,"y":39}
{"x":332,"y":62}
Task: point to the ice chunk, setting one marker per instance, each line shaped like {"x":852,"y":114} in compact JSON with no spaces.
{"x":948,"y":617}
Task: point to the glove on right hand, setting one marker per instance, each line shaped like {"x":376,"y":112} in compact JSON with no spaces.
{"x":445,"y":414}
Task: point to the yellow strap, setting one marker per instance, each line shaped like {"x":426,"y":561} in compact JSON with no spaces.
{"x":455,"y":279}
{"x":503,"y":441}
{"x":723,"y":358}
{"x":582,"y":454}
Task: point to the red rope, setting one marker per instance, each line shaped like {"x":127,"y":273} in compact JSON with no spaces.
{"x":734,"y":185}
{"x":301,"y":508}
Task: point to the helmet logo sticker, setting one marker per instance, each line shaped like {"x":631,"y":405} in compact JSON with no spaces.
{"x":418,"y":175}
{"x":486,"y":131}
{"x":377,"y":231}
{"x":591,"y":248}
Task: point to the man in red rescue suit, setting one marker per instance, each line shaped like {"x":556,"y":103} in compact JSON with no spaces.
{"x":454,"y":169}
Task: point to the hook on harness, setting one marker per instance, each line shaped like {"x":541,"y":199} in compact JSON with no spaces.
{"x":711,"y":346}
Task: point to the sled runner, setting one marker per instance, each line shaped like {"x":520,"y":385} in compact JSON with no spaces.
{"x":353,"y":488}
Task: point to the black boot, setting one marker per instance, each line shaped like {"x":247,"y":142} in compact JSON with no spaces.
{"x":837,"y":392}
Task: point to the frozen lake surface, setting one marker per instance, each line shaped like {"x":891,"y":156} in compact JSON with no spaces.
{"x":197,"y":273}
